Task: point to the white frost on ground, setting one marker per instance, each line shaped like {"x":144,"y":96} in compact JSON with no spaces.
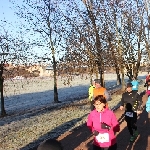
{"x":26,"y":130}
{"x":21,"y":95}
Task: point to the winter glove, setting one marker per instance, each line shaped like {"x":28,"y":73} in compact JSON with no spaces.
{"x":95,"y":133}
{"x":105,"y":126}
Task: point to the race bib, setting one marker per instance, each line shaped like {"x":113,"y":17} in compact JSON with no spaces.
{"x":101,"y":138}
{"x":134,"y":86}
{"x":129,"y":114}
{"x":149,"y":88}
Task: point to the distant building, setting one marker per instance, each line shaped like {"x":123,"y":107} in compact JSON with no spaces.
{"x":45,"y":71}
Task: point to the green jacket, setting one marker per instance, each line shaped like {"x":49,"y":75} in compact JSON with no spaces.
{"x":91,"y":92}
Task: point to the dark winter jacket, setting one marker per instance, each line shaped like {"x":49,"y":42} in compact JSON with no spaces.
{"x":133,"y":98}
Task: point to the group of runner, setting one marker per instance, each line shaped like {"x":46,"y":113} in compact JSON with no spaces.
{"x":102,"y":121}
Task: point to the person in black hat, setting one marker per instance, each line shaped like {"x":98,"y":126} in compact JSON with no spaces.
{"x":50,"y":144}
{"x":135,"y":100}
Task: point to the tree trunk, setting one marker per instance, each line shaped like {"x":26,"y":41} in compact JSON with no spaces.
{"x":103,"y":82}
{"x":118,"y":76}
{"x":123,"y":81}
{"x":129,"y":68}
{"x":55,"y":76}
{"x":101,"y":73}
{"x":96,"y":74}
{"x":137,"y":66}
{"x":91,"y":73}
{"x":3,"y":112}
{"x":101,"y":77}
{"x":55,"y":83}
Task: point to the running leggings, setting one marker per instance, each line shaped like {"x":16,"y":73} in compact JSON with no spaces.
{"x":131,"y":126}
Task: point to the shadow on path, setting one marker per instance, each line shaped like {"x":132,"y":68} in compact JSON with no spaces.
{"x":55,"y":133}
{"x":143,"y":124}
{"x":141,"y":142}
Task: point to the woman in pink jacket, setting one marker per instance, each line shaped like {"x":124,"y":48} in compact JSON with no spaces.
{"x":103,"y":123}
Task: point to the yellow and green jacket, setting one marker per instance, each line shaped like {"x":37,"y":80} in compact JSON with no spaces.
{"x":91,"y":88}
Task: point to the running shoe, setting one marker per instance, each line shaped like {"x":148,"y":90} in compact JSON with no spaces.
{"x":132,"y":139}
{"x":136,"y":133}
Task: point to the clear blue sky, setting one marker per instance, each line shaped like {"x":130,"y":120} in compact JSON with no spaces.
{"x":8,"y":19}
{"x":7,"y":11}
{"x":12,"y":24}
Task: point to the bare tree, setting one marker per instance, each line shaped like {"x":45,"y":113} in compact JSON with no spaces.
{"x":12,"y":50}
{"x":96,"y":32}
{"x":46,"y":22}
{"x":146,"y":29}
{"x":106,"y":29}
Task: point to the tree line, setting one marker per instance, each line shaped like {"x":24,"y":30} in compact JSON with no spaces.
{"x":97,"y":34}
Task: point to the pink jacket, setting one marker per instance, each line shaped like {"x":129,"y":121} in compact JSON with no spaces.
{"x":106,"y":137}
{"x":148,"y":92}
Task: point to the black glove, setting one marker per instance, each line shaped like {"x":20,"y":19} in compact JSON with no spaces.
{"x":105,"y":126}
{"x":95,"y":133}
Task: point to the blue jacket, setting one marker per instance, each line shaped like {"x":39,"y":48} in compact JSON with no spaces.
{"x":148,"y":104}
{"x":135,"y":85}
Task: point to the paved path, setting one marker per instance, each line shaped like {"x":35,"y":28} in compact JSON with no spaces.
{"x":81,"y":138}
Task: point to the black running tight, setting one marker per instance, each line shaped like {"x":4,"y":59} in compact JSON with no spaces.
{"x":131,"y":126}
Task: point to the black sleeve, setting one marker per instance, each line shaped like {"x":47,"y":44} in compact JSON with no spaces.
{"x":122,"y":100}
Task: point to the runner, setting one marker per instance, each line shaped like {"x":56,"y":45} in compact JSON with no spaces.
{"x":99,"y":90}
{"x":135,"y":84}
{"x":135,"y":100}
{"x":148,"y":88}
{"x":103,"y":123}
{"x":91,"y":88}
{"x":131,"y":119}
{"x":148,"y":106}
{"x":146,"y":80}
